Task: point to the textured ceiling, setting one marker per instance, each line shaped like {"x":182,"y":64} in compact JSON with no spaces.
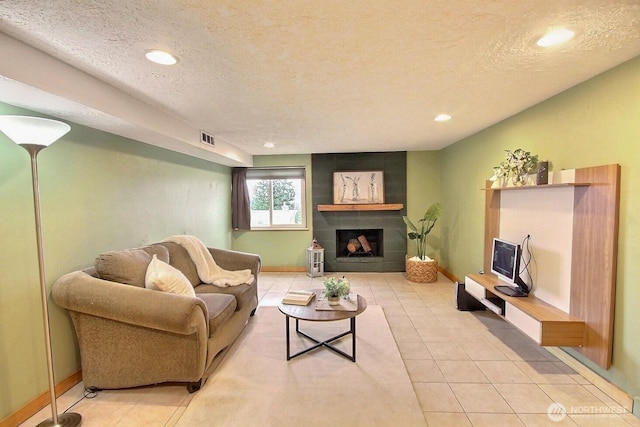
{"x":308,"y":76}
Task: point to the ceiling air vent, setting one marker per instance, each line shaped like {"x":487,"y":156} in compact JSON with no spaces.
{"x":207,"y":138}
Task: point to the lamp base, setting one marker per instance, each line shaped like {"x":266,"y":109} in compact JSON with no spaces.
{"x":70,"y":419}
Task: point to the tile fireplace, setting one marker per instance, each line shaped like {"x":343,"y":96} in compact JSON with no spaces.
{"x":383,"y":230}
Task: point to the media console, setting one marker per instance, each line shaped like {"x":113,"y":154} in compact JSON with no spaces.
{"x":578,"y":285}
{"x":544,"y":323}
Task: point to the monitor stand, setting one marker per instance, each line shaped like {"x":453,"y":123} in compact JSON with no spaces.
{"x":510,"y":291}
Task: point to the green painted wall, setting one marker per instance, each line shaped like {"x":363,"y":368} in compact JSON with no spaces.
{"x":280,"y":248}
{"x":102,"y":192}
{"x":98,"y":192}
{"x":286,"y":248}
{"x":592,"y":124}
{"x":423,"y":189}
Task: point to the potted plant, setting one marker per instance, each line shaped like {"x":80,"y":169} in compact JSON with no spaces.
{"x":421,"y":268}
{"x":517,"y":165}
{"x":336,"y":288}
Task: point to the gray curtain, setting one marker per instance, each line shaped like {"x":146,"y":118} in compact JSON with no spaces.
{"x":240,"y":206}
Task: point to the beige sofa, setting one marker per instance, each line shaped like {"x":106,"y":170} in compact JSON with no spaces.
{"x":132,"y":336}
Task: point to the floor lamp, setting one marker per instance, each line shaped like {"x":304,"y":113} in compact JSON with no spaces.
{"x":34,"y":134}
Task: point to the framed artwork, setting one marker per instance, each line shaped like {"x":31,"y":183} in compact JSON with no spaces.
{"x":358,"y":187}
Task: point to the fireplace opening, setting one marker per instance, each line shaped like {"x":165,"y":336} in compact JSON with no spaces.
{"x":359,"y":243}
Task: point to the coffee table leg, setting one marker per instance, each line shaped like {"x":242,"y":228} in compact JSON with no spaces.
{"x":353,"y":339}
{"x":286,"y":318}
{"x":351,"y":331}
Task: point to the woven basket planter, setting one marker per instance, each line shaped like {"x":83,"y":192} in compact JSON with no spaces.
{"x":421,"y":271}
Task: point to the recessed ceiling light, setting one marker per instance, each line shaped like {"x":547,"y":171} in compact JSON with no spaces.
{"x":269,"y":144}
{"x":161,"y":57}
{"x":442,"y":118}
{"x":556,"y":37}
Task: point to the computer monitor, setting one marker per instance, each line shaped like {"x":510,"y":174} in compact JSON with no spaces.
{"x":505,"y":263}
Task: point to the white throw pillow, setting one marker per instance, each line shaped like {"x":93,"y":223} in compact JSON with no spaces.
{"x":164,"y":277}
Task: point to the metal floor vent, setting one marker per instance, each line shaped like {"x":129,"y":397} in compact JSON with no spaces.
{"x":207,"y":138}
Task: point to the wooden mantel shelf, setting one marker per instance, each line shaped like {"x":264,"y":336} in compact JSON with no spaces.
{"x":363,"y":207}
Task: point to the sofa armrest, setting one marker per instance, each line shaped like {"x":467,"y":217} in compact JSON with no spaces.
{"x":80,"y":292}
{"x":235,"y":260}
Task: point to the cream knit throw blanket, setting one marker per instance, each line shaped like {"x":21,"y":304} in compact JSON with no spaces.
{"x":208,"y":270}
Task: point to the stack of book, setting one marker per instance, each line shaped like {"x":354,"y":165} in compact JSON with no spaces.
{"x":298,"y":297}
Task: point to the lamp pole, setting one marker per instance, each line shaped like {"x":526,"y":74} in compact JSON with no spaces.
{"x":24,"y":131}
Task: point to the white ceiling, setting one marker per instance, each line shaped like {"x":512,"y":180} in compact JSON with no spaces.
{"x":308,"y":76}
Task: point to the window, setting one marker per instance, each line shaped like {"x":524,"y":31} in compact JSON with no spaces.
{"x":277,"y":197}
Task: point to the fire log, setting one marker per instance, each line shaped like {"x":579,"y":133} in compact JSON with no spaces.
{"x":365,"y":243}
{"x":353,"y":245}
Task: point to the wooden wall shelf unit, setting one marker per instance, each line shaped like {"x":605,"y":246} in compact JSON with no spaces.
{"x":361,"y":207}
{"x":540,"y":187}
{"x":594,"y":246}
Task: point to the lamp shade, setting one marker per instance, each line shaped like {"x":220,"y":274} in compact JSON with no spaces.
{"x":32,"y":130}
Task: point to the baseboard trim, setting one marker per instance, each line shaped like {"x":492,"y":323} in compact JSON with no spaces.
{"x":294,"y":269}
{"x":449,"y":275}
{"x":33,"y":406}
{"x":283,"y":269}
{"x":624,"y":399}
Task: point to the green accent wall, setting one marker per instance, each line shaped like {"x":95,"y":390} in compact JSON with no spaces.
{"x":423,"y":189}
{"x":594,"y":123}
{"x":99,"y":192}
{"x":277,"y":248}
{"x":103,"y":192}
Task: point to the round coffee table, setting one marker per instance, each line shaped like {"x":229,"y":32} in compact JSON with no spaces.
{"x":309,"y":313}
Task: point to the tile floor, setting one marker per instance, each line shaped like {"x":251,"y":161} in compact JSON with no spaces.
{"x":467,"y":368}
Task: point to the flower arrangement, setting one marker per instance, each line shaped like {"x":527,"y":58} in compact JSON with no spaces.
{"x":336,"y":288}
{"x":517,"y":164}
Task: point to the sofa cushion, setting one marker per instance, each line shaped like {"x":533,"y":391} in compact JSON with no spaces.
{"x":128,"y":266}
{"x":242,"y":293}
{"x":180,"y":259}
{"x":220,"y":308}
{"x":163,"y":277}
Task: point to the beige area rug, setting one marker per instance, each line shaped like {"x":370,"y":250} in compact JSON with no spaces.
{"x":256,"y":386}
